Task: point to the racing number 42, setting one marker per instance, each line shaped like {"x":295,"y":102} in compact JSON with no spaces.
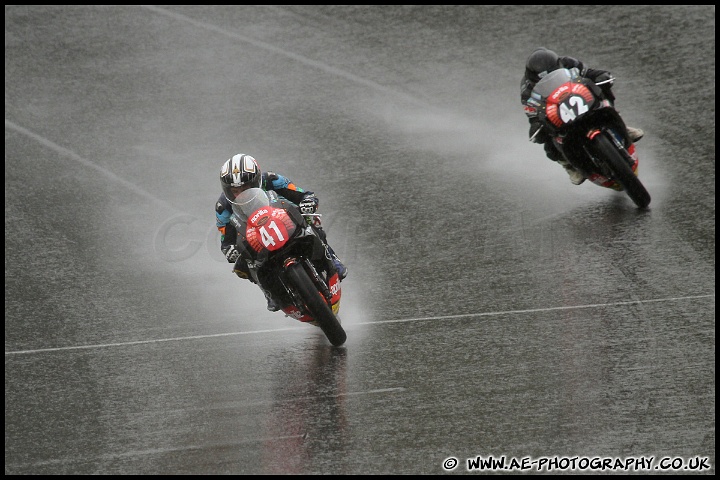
{"x":572,"y":107}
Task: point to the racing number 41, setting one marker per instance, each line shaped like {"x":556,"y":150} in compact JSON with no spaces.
{"x":267,"y":238}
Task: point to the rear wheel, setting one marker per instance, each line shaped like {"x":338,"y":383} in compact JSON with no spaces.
{"x":622,"y":172}
{"x":316,"y":305}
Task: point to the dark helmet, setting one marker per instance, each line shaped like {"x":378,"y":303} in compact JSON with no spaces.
{"x":238,"y":174}
{"x":540,"y":62}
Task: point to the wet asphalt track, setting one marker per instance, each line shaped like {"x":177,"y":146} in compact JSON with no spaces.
{"x":492,"y":308}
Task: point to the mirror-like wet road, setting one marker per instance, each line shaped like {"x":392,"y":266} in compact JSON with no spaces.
{"x":493,"y":309}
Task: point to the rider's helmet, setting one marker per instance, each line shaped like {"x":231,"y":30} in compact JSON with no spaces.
{"x":238,"y":174}
{"x":540,"y":62}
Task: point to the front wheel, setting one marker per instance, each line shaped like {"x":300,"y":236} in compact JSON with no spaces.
{"x":621,"y":171}
{"x":316,"y":304}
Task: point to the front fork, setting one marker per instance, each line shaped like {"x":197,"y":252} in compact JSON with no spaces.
{"x":616,"y":140}
{"x":314,"y":276}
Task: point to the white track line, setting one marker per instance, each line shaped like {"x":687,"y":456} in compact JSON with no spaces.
{"x":83,"y":161}
{"x":380,"y":322}
{"x":325,"y":68}
{"x":304,"y":60}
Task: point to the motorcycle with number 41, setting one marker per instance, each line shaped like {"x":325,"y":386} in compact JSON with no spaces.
{"x":286,"y":255}
{"x":588,"y":131}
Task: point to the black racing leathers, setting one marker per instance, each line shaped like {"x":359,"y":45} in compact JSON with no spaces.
{"x":528,"y":83}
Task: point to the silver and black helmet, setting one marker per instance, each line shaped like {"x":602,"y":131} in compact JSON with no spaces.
{"x":238,"y":174}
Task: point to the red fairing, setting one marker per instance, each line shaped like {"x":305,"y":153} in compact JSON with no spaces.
{"x":562,"y":95}
{"x":269,"y":228}
{"x":334,"y":286}
{"x":634,"y":155}
{"x":292,"y":311}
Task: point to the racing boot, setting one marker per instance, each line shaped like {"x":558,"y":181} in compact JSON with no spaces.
{"x":341,"y":269}
{"x":330,"y":253}
{"x":635,"y":134}
{"x":576,"y":177}
{"x":271,"y":305}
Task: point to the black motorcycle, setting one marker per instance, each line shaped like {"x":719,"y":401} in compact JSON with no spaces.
{"x":588,"y":131}
{"x":286,"y":255}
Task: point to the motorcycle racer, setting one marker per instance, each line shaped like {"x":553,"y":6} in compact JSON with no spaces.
{"x":239,"y":173}
{"x":541,"y":62}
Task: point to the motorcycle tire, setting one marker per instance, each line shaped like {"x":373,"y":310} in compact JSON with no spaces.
{"x":622,"y":172}
{"x":316,"y":305}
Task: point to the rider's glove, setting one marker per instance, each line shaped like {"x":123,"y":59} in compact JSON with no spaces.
{"x":242,"y":274}
{"x":309,"y":204}
{"x":231,"y":253}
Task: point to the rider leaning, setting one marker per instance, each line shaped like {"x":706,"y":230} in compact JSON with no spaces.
{"x":237,"y":175}
{"x":541,"y":62}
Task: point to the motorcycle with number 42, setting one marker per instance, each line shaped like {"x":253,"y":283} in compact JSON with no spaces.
{"x":588,"y":131}
{"x":286,"y":255}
